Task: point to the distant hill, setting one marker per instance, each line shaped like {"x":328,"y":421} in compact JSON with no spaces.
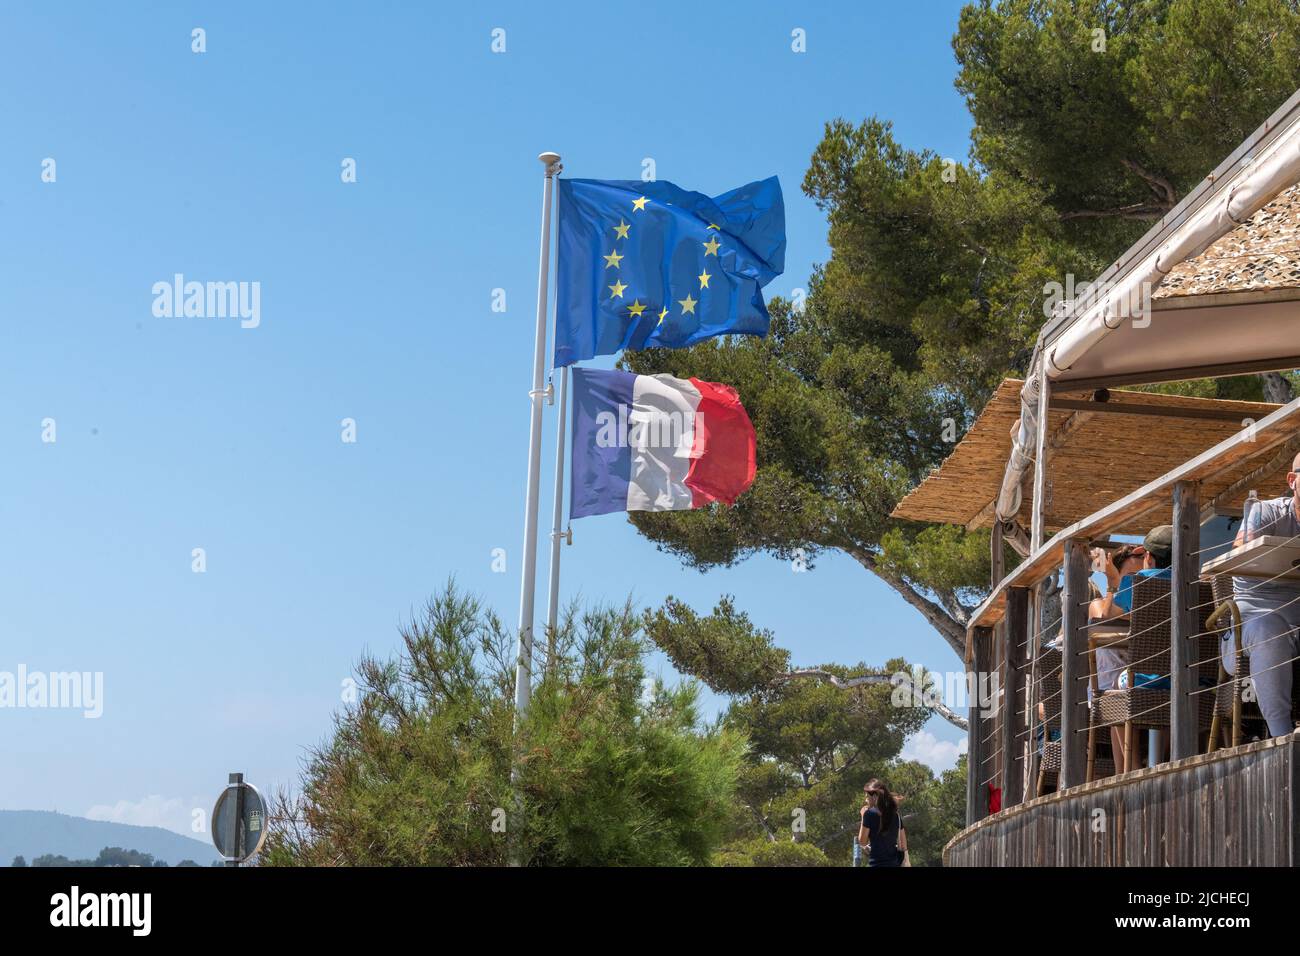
{"x":33,"y":833}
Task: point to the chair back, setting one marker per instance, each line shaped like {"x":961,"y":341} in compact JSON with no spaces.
{"x":1149,"y":627}
{"x":1049,"y":686}
{"x":1208,"y":650}
{"x":1151,"y":632}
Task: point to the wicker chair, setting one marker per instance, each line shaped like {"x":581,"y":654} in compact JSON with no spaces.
{"x":1049,"y":693}
{"x":1101,"y":762}
{"x":1227,"y":695}
{"x":1233,"y":715}
{"x":1149,"y":644}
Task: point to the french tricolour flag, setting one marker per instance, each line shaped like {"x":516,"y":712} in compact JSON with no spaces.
{"x":656,"y":443}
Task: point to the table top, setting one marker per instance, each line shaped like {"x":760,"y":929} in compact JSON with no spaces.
{"x":1269,"y":556}
{"x":1107,"y":635}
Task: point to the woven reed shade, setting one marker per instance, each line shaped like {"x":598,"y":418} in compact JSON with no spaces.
{"x":1262,"y":254}
{"x":1100,"y":458}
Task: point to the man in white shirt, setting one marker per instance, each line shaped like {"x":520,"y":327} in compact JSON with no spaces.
{"x":1270,"y":612}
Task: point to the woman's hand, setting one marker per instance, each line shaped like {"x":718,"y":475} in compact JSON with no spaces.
{"x":1112,"y":574}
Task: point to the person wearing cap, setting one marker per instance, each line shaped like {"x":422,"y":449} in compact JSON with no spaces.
{"x":1157,"y":554}
{"x":1270,"y":613}
{"x":1151,"y":559}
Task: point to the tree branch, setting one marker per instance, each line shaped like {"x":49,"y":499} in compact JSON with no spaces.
{"x":1163,"y":189}
{"x":896,"y":680}
{"x":762,"y":822}
{"x":1136,"y":211}
{"x":1277,"y":388}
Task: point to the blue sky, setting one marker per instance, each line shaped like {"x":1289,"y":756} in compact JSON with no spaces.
{"x":176,"y":434}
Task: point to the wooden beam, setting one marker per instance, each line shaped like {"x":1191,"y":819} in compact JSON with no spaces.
{"x":1268,"y":434}
{"x":1015,"y":634}
{"x":984,"y":514}
{"x":1074,"y":665}
{"x":977,"y":803}
{"x":1016,"y":536}
{"x":1139,"y":408}
{"x":1185,"y":623}
{"x":1286,"y":454}
{"x":1032,"y":690}
{"x":1066,"y":429}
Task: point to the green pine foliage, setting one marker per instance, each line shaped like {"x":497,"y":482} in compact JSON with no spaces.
{"x":812,"y":745}
{"x":613,"y":768}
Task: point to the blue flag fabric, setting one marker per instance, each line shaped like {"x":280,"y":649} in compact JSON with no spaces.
{"x":646,"y":265}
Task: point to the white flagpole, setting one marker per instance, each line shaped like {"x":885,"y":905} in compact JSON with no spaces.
{"x":524,"y":657}
{"x":557,"y":517}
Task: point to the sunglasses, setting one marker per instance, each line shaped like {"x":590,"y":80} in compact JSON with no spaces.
{"x":1128,"y":552}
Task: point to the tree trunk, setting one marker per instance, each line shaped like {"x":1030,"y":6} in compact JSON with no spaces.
{"x":949,"y":628}
{"x":919,"y":694}
{"x":1277,"y":388}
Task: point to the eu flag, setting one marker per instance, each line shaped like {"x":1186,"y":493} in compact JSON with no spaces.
{"x":645,"y":265}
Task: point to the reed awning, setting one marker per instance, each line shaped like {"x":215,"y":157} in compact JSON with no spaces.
{"x":1102,"y":445}
{"x":1236,"y":304}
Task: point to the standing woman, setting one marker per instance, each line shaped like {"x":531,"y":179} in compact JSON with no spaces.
{"x":882,"y":830}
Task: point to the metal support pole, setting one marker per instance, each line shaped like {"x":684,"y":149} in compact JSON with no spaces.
{"x":558,"y":537}
{"x":1185,"y":622}
{"x":236,"y":781}
{"x":524,"y":657}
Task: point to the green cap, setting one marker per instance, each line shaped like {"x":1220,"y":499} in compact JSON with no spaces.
{"x":1160,"y":541}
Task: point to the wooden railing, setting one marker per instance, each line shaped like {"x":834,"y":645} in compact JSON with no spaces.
{"x":1234,"y":807}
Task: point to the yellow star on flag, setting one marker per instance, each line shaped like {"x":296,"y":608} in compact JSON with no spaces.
{"x":617,"y":288}
{"x":639,"y":204}
{"x":620,"y":231}
{"x":704,"y":278}
{"x":662,"y":315}
{"x":687,"y":304}
{"x":711,"y":247}
{"x":712,"y":226}
{"x":636,"y":308}
{"x":613,"y":259}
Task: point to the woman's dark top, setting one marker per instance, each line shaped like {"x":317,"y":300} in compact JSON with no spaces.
{"x":884,"y":846}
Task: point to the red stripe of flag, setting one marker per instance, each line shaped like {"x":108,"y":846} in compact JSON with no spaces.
{"x":722,"y":458}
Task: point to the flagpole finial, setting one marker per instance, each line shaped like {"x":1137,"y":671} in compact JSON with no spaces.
{"x":551,"y":161}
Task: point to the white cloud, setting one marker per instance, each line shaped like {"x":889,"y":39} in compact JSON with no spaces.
{"x":939,"y":755}
{"x":170,"y":813}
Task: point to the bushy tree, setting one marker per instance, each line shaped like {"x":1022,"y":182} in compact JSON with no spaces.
{"x":612,"y":768}
{"x":118,"y":856}
{"x":812,"y":744}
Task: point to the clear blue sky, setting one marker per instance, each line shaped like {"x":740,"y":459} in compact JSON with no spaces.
{"x":175,"y":434}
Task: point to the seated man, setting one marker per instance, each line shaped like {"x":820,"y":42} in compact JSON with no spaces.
{"x":1152,"y":559}
{"x":1270,"y":612}
{"x":1157,"y":553}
